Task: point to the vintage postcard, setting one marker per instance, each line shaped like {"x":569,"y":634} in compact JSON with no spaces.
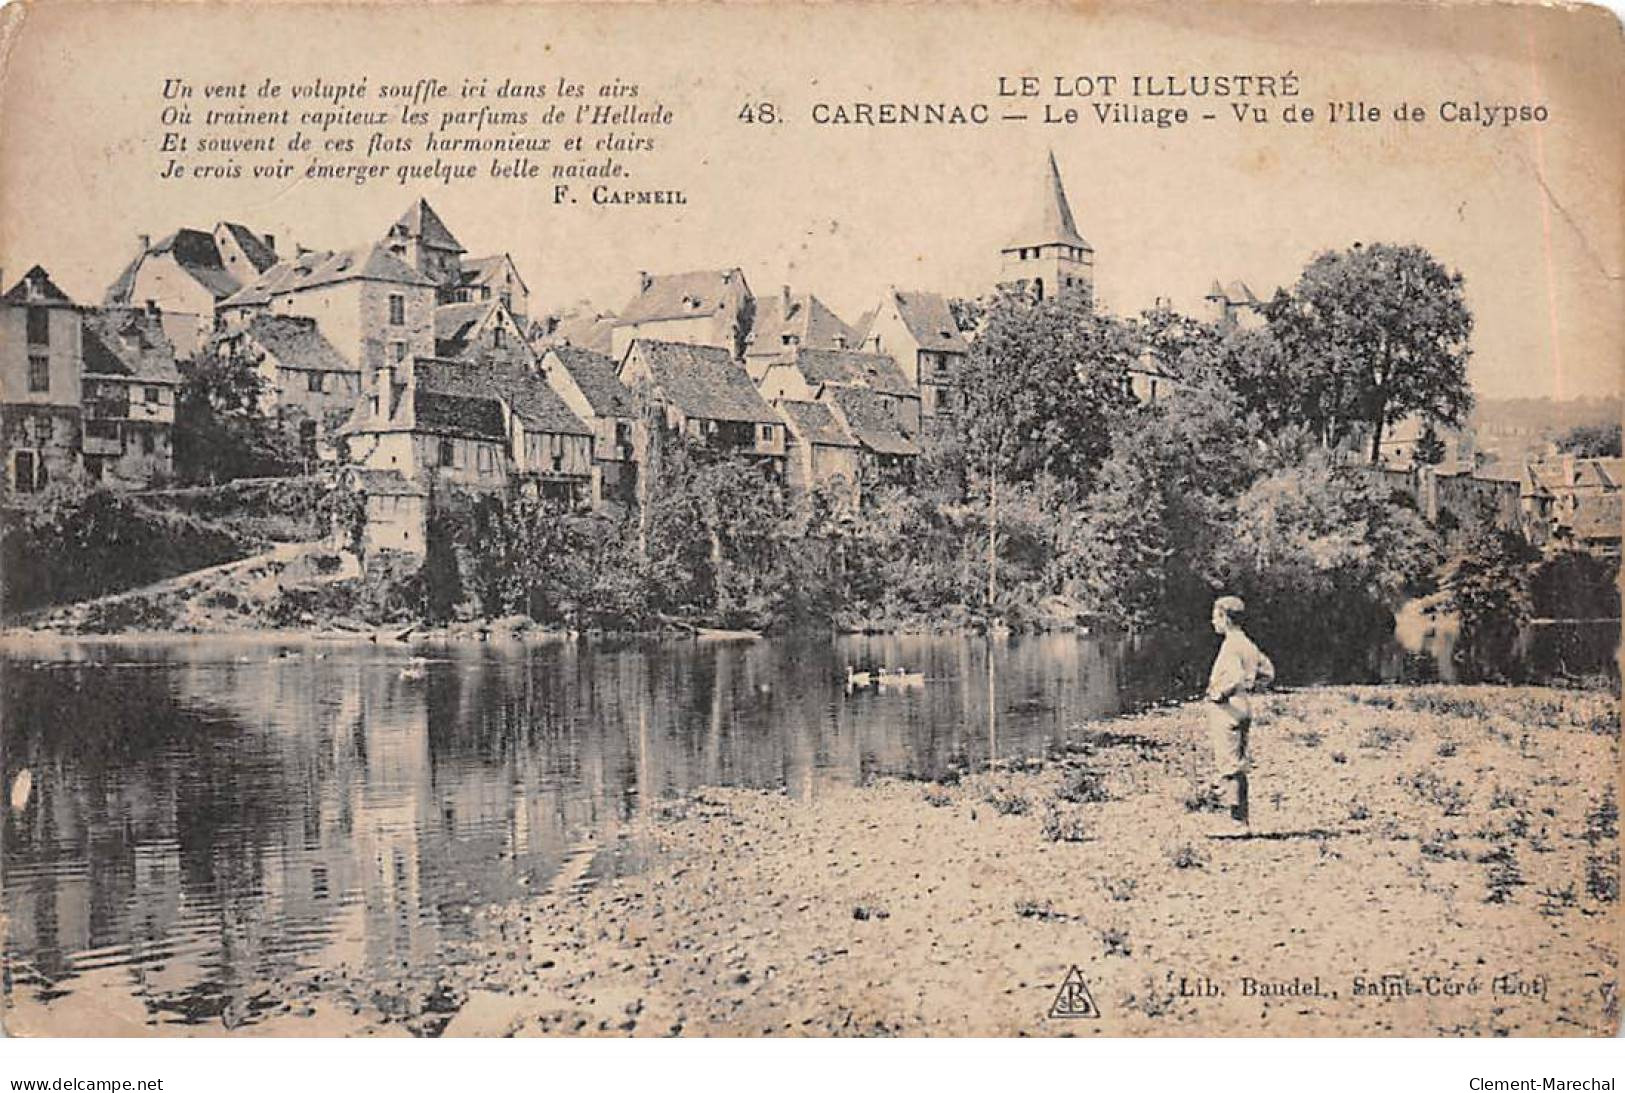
{"x":810,"y":519}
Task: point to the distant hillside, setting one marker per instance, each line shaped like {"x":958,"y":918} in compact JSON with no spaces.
{"x":1541,"y":415}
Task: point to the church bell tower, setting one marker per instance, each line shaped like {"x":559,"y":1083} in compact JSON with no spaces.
{"x":1048,"y":257}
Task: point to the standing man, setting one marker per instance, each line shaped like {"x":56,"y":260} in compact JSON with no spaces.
{"x":1239,"y":668}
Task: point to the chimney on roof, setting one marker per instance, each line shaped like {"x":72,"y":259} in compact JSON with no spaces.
{"x":152,"y":309}
{"x":143,"y":242}
{"x":644,"y":280}
{"x":384,"y":389}
{"x":270,"y":242}
{"x":300,"y":250}
{"x":784,"y":300}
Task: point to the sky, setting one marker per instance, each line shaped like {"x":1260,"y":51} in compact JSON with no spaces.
{"x":1529,"y":214}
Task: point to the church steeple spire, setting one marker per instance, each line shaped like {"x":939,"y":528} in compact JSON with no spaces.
{"x":1048,"y":254}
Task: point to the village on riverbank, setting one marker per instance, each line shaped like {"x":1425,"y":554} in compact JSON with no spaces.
{"x":397,"y":435}
{"x":397,"y":445}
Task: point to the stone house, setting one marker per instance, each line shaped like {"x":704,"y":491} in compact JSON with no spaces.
{"x":431,"y":426}
{"x":590,"y":387}
{"x":1573,"y":502}
{"x":369,"y":305}
{"x":482,"y":428}
{"x":309,"y":386}
{"x":129,"y":388}
{"x":41,"y":358}
{"x":821,"y":450}
{"x":187,"y":273}
{"x":422,"y":241}
{"x":917,"y":330}
{"x":396,"y":509}
{"x":786,"y":322}
{"x":888,"y":449}
{"x":495,"y":278}
{"x":480,"y":331}
{"x":703,"y":396}
{"x":808,"y":375}
{"x":550,"y":449}
{"x":703,"y":307}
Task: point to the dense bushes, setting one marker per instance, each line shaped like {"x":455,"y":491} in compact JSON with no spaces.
{"x":72,"y":543}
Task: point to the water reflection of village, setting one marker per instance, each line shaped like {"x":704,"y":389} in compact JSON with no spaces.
{"x":205,"y":825}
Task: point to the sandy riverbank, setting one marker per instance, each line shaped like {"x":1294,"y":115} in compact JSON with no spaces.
{"x":1462,"y":834}
{"x":1461,"y":839}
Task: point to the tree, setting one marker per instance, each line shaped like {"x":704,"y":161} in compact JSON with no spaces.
{"x":1043,"y":385}
{"x":1430,"y":450}
{"x":1592,"y":441}
{"x":1322,"y":555}
{"x":1371,"y":335}
{"x":220,"y":433}
{"x":1487,"y":584}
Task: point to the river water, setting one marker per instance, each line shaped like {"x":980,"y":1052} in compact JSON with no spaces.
{"x":195,"y":823}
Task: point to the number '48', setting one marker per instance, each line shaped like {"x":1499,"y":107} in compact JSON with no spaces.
{"x":764,"y":112}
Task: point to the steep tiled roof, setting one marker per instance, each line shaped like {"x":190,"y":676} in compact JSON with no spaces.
{"x":816,"y":423}
{"x":682,"y":295}
{"x":704,"y":382}
{"x":594,"y":332}
{"x":808,"y":320}
{"x":1597,"y":517}
{"x":44,"y":290}
{"x":297,"y":342}
{"x":844,"y":366}
{"x":537,"y":405}
{"x":596,"y":375}
{"x":869,"y":417}
{"x":370,"y":263}
{"x":459,"y":415}
{"x":1558,"y":475}
{"x":1235,"y":293}
{"x":127,"y":342}
{"x":1049,"y":218}
{"x":454,"y":323}
{"x":1604,"y":473}
{"x":195,"y":252}
{"x":480,"y":271}
{"x":422,"y":223}
{"x":928,"y":319}
{"x":257,"y":250}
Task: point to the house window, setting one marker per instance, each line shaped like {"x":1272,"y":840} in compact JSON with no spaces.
{"x":152,"y":395}
{"x":398,"y":349}
{"x":39,"y":374}
{"x":767,"y":434}
{"x":448,"y":453}
{"x":558,"y":462}
{"x":507,"y":301}
{"x":484,"y":459}
{"x":23,"y":470}
{"x":39,"y":326}
{"x":499,"y":337}
{"x":397,"y":310}
{"x":313,"y":382}
{"x":149,"y":443}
